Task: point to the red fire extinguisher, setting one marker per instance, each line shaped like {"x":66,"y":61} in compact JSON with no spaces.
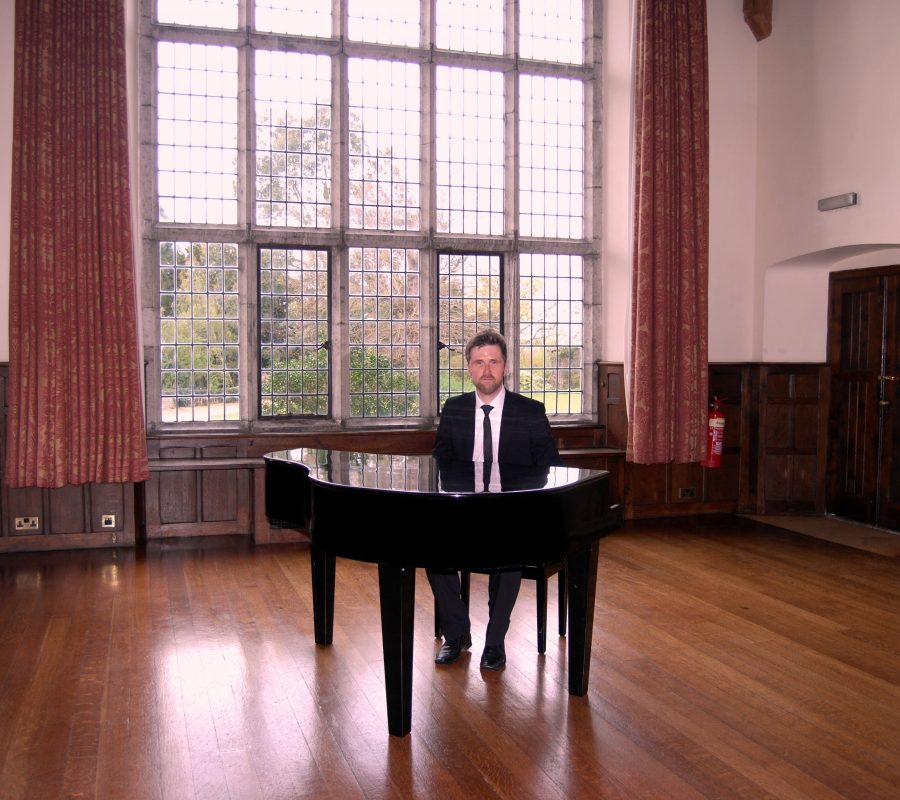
{"x":715,"y":434}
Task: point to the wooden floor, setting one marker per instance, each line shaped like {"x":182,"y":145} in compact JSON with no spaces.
{"x":731,"y":660}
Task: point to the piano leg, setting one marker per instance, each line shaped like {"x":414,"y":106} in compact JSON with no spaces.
{"x":323,"y":568}
{"x":397,"y":587}
{"x":581,"y":577}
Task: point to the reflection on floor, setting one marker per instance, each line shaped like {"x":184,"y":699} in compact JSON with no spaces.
{"x":835,"y":529}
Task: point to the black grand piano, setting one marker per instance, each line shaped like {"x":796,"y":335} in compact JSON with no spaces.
{"x":408,"y":511}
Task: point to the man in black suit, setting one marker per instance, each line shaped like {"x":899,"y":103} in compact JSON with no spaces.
{"x":495,"y":427}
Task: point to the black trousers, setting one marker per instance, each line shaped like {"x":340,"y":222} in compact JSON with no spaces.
{"x":503,"y":589}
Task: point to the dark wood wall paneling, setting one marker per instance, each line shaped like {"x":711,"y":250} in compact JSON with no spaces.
{"x":773,"y":462}
{"x":793,"y":439}
{"x":68,"y":517}
{"x":776,"y":418}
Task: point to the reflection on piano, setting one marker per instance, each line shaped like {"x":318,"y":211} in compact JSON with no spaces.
{"x":403,"y":512}
{"x":466,"y":477}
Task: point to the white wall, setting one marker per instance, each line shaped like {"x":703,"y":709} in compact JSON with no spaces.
{"x":615,"y":215}
{"x":733,"y":301}
{"x":829,"y":116}
{"x":733,"y":298}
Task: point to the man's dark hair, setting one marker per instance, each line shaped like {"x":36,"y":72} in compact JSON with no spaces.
{"x":485,"y":338}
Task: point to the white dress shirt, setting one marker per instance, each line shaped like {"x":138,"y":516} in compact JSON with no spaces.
{"x":495,"y":415}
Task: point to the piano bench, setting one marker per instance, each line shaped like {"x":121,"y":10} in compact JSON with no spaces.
{"x":540,"y":575}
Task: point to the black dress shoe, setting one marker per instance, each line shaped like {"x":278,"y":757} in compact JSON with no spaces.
{"x":451,"y":649}
{"x":493,"y":657}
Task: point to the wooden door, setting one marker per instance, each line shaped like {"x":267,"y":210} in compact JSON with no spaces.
{"x":888,"y":512}
{"x":864,"y":357}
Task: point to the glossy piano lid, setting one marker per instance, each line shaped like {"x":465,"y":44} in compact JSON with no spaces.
{"x":423,"y":474}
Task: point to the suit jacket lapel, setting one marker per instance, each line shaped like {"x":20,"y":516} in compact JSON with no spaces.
{"x":507,"y":431}
{"x":467,"y":434}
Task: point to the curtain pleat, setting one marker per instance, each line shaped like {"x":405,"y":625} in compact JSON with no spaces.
{"x":75,"y":413}
{"x":669,"y":355}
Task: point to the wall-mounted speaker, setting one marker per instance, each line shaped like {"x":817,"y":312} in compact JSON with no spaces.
{"x":838,"y":201}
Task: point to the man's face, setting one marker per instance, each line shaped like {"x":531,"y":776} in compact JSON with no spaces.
{"x":486,"y":368}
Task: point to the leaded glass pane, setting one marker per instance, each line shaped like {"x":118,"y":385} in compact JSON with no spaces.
{"x":294,"y":348}
{"x":293,"y":140}
{"x":199,"y":13}
{"x":474,"y":26}
{"x":197,"y":131}
{"x":551,"y":343}
{"x":385,"y":144}
{"x":469,"y":299}
{"x":385,"y":320}
{"x":297,"y":17}
{"x":469,"y":151}
{"x":198,"y":327}
{"x":552,"y":30}
{"x":551,"y":157}
{"x":396,"y":22}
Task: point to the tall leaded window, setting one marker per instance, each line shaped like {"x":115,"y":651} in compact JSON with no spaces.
{"x":338,"y":193}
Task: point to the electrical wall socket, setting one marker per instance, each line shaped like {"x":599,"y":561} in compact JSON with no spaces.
{"x":28,"y":523}
{"x":687,"y":493}
{"x":107,"y":520}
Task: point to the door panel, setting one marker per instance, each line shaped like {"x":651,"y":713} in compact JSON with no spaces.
{"x":854,"y":354}
{"x":888,"y":515}
{"x":864,"y":357}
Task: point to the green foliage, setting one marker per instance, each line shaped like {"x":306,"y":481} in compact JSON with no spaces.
{"x":378,"y":389}
{"x":293,"y":381}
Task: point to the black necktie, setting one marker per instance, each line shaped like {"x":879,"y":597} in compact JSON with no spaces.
{"x":488,"y":447}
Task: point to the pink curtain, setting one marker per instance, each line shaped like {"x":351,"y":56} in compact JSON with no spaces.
{"x":75,"y":412}
{"x":668,"y":369}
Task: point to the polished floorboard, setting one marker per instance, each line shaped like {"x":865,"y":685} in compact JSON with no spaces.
{"x":731,"y":659}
